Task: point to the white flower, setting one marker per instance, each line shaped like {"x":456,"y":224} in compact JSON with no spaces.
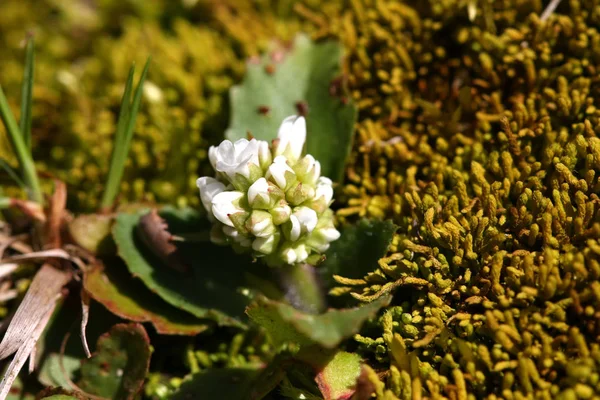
{"x":264,"y":154}
{"x":260,"y":223}
{"x":303,"y":220}
{"x":324,"y":189}
{"x":235,"y":158}
{"x":260,"y":189}
{"x":265,"y":245}
{"x":279,"y":171}
{"x":236,"y":236}
{"x":209,"y":188}
{"x":309,"y":169}
{"x":267,"y":199}
{"x":321,"y":238}
{"x":225,"y":204}
{"x":295,"y":255}
{"x":292,"y":135}
{"x":281,"y":213}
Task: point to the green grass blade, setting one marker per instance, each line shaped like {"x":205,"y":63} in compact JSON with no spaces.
{"x":135,"y":106}
{"x":14,"y":175}
{"x":123,"y":136}
{"x":26,"y":165}
{"x":27,"y":94}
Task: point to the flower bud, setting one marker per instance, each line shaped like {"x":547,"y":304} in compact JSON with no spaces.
{"x":324,"y":189}
{"x":260,"y":224}
{"x":264,"y":155}
{"x":296,"y":254}
{"x":291,"y":137}
{"x":299,"y":193}
{"x":266,"y":245}
{"x":308,"y":170}
{"x":209,"y":188}
{"x":263,"y":194}
{"x":226,"y":204}
{"x":280,"y":173}
{"x":281,"y":213}
{"x":321,"y":238}
{"x":302,"y":221}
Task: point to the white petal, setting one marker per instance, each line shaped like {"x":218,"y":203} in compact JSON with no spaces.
{"x":246,"y":150}
{"x":301,"y":253}
{"x":307,"y":218}
{"x":213,"y":155}
{"x":296,"y":228}
{"x":324,"y":189}
{"x":226,"y":152}
{"x":223,"y":206}
{"x":277,"y":171}
{"x":259,"y":229}
{"x":258,"y":188}
{"x":209,"y":188}
{"x":264,"y":154}
{"x":292,"y":135}
{"x":289,"y":256}
{"x":330,"y":234}
{"x":264,"y":244}
{"x":231,"y":232}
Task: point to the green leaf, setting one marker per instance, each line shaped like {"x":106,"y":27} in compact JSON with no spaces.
{"x":27,"y":94}
{"x":281,"y":82}
{"x":337,"y":377}
{"x":215,"y":285}
{"x":357,"y":251}
{"x":223,"y":383}
{"x":286,"y":324}
{"x":51,"y":373}
{"x":23,"y":153}
{"x":126,"y":297}
{"x":14,"y":175}
{"x":125,"y":127}
{"x":118,"y":367}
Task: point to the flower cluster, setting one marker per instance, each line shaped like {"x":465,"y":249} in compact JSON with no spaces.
{"x":268,"y":199}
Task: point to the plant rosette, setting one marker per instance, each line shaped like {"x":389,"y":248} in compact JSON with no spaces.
{"x":268,"y":199}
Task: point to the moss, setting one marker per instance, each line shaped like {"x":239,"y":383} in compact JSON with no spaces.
{"x":478,"y":135}
{"x":480,"y":140}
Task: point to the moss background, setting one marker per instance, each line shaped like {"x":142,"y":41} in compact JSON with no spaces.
{"x":478,"y":134}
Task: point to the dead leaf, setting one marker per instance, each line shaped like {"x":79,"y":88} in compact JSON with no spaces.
{"x":153,"y":231}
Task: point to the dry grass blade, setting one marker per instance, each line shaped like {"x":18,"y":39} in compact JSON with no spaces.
{"x":46,"y":285}
{"x":38,"y":255}
{"x":28,"y":343}
{"x":85,"y":314}
{"x":56,"y":212}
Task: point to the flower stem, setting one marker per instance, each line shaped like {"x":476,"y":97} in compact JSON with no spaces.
{"x":302,"y":288}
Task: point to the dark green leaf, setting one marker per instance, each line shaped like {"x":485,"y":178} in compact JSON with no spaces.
{"x":225,"y":383}
{"x":119,"y":365}
{"x":115,"y":288}
{"x":27,"y":94}
{"x":286,"y":324}
{"x":357,"y":251}
{"x":307,"y":76}
{"x":215,"y":285}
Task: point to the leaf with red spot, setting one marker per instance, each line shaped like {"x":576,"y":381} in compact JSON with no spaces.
{"x":119,"y":365}
{"x":298,"y":80}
